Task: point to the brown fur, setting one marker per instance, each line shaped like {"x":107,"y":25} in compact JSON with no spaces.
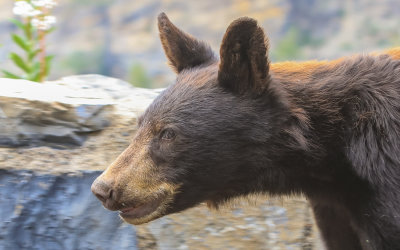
{"x":240,"y":126}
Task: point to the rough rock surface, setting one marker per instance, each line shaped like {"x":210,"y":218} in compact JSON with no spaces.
{"x":266,"y":224}
{"x":62,"y":112}
{"x":57,"y":183}
{"x":57,"y":212}
{"x":32,"y":113}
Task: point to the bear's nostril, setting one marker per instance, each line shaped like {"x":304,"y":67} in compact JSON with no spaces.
{"x":101,"y":198}
{"x":102,"y":190}
{"x":111,"y":192}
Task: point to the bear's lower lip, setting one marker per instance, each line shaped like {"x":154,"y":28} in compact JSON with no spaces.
{"x":140,"y":211}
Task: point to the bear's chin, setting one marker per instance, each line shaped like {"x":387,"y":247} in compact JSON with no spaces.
{"x":146,"y":212}
{"x":141,"y":220}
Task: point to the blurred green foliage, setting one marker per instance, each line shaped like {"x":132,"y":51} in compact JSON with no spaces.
{"x":288,"y":47}
{"x":291,"y":46}
{"x":346,"y":46}
{"x":138,"y":76}
{"x":84,"y":62}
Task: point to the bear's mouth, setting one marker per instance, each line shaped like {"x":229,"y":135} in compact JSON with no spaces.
{"x":145,"y":212}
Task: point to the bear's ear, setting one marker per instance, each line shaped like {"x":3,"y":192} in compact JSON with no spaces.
{"x":244,"y":66}
{"x":182,"y":50}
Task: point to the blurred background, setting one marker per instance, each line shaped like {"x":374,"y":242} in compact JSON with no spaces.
{"x":56,"y":137}
{"x":119,"y":38}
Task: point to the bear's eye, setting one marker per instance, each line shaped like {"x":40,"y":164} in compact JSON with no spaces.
{"x":167,"y":134}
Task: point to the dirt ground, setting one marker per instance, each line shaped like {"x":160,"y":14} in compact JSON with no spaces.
{"x":98,"y":151}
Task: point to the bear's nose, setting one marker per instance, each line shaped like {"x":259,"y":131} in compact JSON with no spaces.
{"x":102,"y":191}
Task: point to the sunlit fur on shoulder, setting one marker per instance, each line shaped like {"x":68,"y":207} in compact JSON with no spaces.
{"x":304,"y":70}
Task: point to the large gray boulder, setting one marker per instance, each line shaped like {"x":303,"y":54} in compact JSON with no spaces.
{"x":62,"y":112}
{"x":47,"y":211}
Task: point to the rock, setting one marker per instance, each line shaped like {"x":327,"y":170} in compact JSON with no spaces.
{"x":32,"y":113}
{"x":57,"y":212}
{"x":129,"y":101}
{"x":267,"y":224}
{"x":64,"y":112}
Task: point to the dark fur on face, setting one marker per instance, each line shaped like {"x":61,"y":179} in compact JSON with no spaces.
{"x":240,"y":125}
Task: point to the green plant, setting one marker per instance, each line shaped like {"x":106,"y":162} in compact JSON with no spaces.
{"x":35,"y":22}
{"x":289,"y":47}
{"x":139,"y":77}
{"x":84,"y":62}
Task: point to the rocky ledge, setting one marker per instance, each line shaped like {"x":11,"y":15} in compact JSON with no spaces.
{"x":58,"y":136}
{"x":62,"y":112}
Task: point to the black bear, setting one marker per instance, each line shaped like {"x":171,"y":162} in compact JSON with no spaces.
{"x":238,"y":125}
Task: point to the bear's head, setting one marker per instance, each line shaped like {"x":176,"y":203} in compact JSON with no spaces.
{"x":206,"y":138}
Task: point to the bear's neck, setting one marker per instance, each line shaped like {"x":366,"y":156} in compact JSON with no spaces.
{"x":308,"y":156}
